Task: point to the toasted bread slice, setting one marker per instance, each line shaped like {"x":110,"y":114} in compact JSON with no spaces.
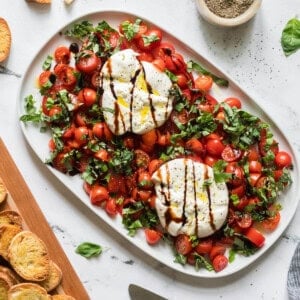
{"x":7,"y":233}
{"x":4,"y":288}
{"x":27,"y":291}
{"x":29,"y":257}
{"x":3,"y":190}
{"x":53,"y":279}
{"x":40,"y":1}
{"x":5,"y":40}
{"x":10,"y":275}
{"x":62,"y":297}
{"x":10,"y":217}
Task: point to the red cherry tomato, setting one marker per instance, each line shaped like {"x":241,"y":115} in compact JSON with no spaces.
{"x":98,"y":194}
{"x":159,"y":64}
{"x":62,"y":55}
{"x":81,"y":134}
{"x":255,"y":237}
{"x":98,"y":130}
{"x":237,"y":173}
{"x":255,"y":166}
{"x":183,"y":244}
{"x":152,"y":236}
{"x":244,"y":221}
{"x":144,"y":180}
{"x":65,"y":76}
{"x":203,"y":83}
{"x":87,"y":96}
{"x":215,"y":147}
{"x":204,"y":246}
{"x":150,"y":138}
{"x":233,"y":102}
{"x":283,"y":159}
{"x":44,"y":78}
{"x":271,"y":223}
{"x":154,"y":165}
{"x":216,"y":250}
{"x":150,"y":39}
{"x":230,"y":154}
{"x":141,"y":159}
{"x":195,"y":145}
{"x":220,"y":262}
{"x":111,"y":206}
{"x":88,"y":62}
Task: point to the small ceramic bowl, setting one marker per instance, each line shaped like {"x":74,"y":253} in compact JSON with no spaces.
{"x":214,"y":19}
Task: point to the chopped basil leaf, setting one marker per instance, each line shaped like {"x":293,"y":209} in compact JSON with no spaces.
{"x":201,"y":261}
{"x":193,"y":66}
{"x":290,"y":38}
{"x":149,"y":39}
{"x":80,"y":30}
{"x":130,"y":29}
{"x":219,"y":172}
{"x":180,"y":259}
{"x":89,"y":249}
{"x":47,"y":63}
{"x":32,"y":115}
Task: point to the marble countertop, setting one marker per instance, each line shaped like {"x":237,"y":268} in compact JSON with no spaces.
{"x":251,"y":54}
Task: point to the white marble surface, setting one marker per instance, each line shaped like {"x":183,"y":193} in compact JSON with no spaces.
{"x":253,"y":56}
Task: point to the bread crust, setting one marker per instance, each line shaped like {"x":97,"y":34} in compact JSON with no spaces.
{"x":54,"y":278}
{"x":10,"y":217}
{"x":7,"y":233}
{"x":62,"y":297}
{"x":5,"y":40}
{"x":27,"y":291}
{"x":3,"y":190}
{"x":29,"y":257}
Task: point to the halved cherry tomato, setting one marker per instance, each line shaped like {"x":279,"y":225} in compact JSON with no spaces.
{"x":204,"y":246}
{"x":87,"y":96}
{"x":102,"y":155}
{"x":98,"y":130}
{"x":65,"y":76}
{"x":215,"y":147}
{"x":144,"y":180}
{"x":253,"y":178}
{"x":210,"y":160}
{"x":220,"y":262}
{"x":255,"y":237}
{"x":81,"y":134}
{"x":252,"y":154}
{"x":239,"y":190}
{"x":154,"y":165}
{"x":111,"y":206}
{"x":116,"y":183}
{"x":145,"y":56}
{"x":203,"y":83}
{"x":88,"y":62}
{"x":195,"y":145}
{"x":45,"y":77}
{"x":216,"y":250}
{"x":182,"y":80}
{"x":244,"y":221}
{"x":141,"y":159}
{"x":255,"y":166}
{"x":271,"y":223}
{"x":237,"y":173}
{"x":233,"y":102}
{"x":230,"y":154}
{"x":283,"y":159}
{"x":152,"y":236}
{"x":150,"y":39}
{"x":183,"y":244}
{"x":98,"y":194}
{"x":150,"y":137}
{"x":62,"y":55}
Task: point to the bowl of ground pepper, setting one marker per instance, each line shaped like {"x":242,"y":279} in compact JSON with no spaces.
{"x":228,"y":13}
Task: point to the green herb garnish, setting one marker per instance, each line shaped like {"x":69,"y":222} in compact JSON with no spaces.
{"x":89,"y":249}
{"x":290,"y":38}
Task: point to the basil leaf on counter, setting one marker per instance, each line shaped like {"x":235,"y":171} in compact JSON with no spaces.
{"x":290,"y":38}
{"x":89,"y":249}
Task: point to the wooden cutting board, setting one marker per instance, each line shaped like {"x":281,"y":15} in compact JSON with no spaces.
{"x":21,"y":200}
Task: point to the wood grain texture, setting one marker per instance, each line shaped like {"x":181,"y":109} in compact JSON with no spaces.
{"x":21,"y":199}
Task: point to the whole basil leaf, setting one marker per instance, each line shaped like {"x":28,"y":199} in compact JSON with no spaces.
{"x":290,"y":38}
{"x":89,"y":249}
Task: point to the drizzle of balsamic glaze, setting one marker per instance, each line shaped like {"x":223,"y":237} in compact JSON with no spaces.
{"x":211,"y":216}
